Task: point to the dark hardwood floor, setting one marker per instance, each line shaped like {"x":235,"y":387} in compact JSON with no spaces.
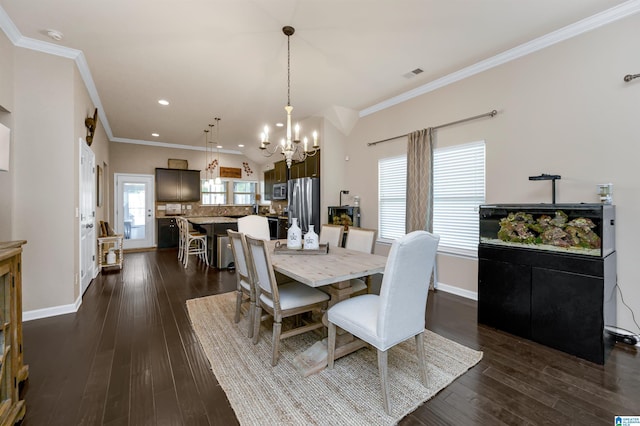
{"x":129,"y":357}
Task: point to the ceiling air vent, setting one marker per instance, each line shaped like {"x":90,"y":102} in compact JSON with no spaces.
{"x":413,"y":73}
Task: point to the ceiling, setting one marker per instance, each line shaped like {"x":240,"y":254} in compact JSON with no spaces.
{"x":228,"y":59}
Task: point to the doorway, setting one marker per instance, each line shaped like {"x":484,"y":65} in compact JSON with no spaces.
{"x":87,"y":214}
{"x":134,"y":213}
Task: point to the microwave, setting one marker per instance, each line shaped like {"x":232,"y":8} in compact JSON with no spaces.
{"x":279,"y":191}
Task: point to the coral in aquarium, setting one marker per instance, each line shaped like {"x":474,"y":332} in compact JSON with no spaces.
{"x":558,"y":231}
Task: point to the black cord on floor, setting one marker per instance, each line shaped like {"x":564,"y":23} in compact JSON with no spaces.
{"x":630,"y":310}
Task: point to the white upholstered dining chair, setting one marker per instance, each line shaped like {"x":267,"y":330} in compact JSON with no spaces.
{"x":254,"y":225}
{"x":279,"y":300}
{"x":360,"y":239}
{"x":331,"y":234}
{"x":398,"y":313}
{"x":245,"y":292}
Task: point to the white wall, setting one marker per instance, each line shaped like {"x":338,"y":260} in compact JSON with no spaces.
{"x":45,"y":177}
{"x":6,"y":118}
{"x":563,"y":110}
{"x":49,"y":105}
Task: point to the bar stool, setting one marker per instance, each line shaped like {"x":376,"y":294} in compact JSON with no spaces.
{"x":191,"y":243}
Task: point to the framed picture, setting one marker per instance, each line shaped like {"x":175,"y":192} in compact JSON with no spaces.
{"x":174,"y":163}
{"x":99,"y":185}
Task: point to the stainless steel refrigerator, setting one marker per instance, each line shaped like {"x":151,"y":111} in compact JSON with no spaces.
{"x":304,"y":203}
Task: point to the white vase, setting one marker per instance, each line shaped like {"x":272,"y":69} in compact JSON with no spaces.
{"x":294,"y":235}
{"x":311,"y":240}
{"x":111,"y":257}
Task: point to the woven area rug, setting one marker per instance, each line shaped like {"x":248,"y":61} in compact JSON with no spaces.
{"x":347,"y":395}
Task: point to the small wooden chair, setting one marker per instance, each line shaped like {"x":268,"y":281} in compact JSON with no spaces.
{"x":245,"y":288}
{"x":279,"y":301}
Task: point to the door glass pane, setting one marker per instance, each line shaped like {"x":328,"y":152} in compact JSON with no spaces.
{"x":134,"y":211}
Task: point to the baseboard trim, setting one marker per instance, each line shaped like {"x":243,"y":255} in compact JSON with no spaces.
{"x":468,"y":294}
{"x":52,"y":311}
{"x":73,"y":307}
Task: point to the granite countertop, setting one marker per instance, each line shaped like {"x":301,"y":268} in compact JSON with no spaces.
{"x":207,"y":220}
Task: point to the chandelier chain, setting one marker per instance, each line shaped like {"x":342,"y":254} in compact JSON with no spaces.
{"x":288,"y":70}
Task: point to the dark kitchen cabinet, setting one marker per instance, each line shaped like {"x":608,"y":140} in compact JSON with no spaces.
{"x":280,"y":172}
{"x":215,"y":231}
{"x":175,"y":185}
{"x":298,"y":170}
{"x":269,"y":179}
{"x":168,"y":233}
{"x":310,"y":167}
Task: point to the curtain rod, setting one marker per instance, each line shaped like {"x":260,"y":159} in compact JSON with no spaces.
{"x":488,"y":114}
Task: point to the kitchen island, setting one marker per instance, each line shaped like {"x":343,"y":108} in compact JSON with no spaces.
{"x":217,"y":239}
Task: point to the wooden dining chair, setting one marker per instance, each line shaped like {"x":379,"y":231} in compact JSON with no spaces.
{"x":254,"y":225}
{"x":398,"y":313}
{"x":361,"y":239}
{"x":280,"y":301}
{"x":245,"y":292}
{"x":331,"y":234}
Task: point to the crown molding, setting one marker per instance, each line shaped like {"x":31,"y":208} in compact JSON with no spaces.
{"x":9,"y":27}
{"x":608,"y":16}
{"x":173,"y":145}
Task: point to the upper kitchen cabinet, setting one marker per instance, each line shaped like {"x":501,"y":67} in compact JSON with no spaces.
{"x":280,"y":172}
{"x":175,"y":185}
{"x":310,"y":167}
{"x":269,"y":180}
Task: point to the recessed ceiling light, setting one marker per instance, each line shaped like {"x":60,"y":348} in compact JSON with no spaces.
{"x":155,"y":135}
{"x":279,"y":125}
{"x":163,"y":102}
{"x":241,"y":146}
{"x":219,"y":146}
{"x":54,"y":34}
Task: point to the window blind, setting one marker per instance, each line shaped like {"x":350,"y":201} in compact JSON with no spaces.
{"x":392,"y":192}
{"x":458,"y":190}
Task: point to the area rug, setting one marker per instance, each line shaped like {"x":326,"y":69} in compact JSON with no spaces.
{"x":347,"y":395}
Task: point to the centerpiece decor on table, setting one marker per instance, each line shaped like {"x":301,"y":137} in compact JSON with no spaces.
{"x":294,"y":235}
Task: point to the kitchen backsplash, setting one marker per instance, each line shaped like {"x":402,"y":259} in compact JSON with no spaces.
{"x":199,"y":210}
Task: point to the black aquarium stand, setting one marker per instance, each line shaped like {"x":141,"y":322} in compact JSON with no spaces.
{"x":559,"y":299}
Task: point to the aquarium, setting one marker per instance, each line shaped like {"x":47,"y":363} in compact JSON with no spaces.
{"x":344,"y":215}
{"x":584,"y":229}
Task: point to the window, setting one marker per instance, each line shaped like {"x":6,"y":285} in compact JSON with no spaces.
{"x":458,"y":190}
{"x":392,"y":195}
{"x":244,"y":192}
{"x":213,"y":193}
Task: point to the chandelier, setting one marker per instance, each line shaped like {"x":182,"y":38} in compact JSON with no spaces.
{"x":212,"y":163}
{"x":289,"y":146}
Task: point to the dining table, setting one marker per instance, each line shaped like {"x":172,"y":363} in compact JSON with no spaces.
{"x":330,"y":271}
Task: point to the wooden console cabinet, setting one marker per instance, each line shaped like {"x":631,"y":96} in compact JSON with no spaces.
{"x":12,"y":369}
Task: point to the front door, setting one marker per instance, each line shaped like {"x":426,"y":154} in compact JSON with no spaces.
{"x":87,"y":216}
{"x":134,"y":213}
